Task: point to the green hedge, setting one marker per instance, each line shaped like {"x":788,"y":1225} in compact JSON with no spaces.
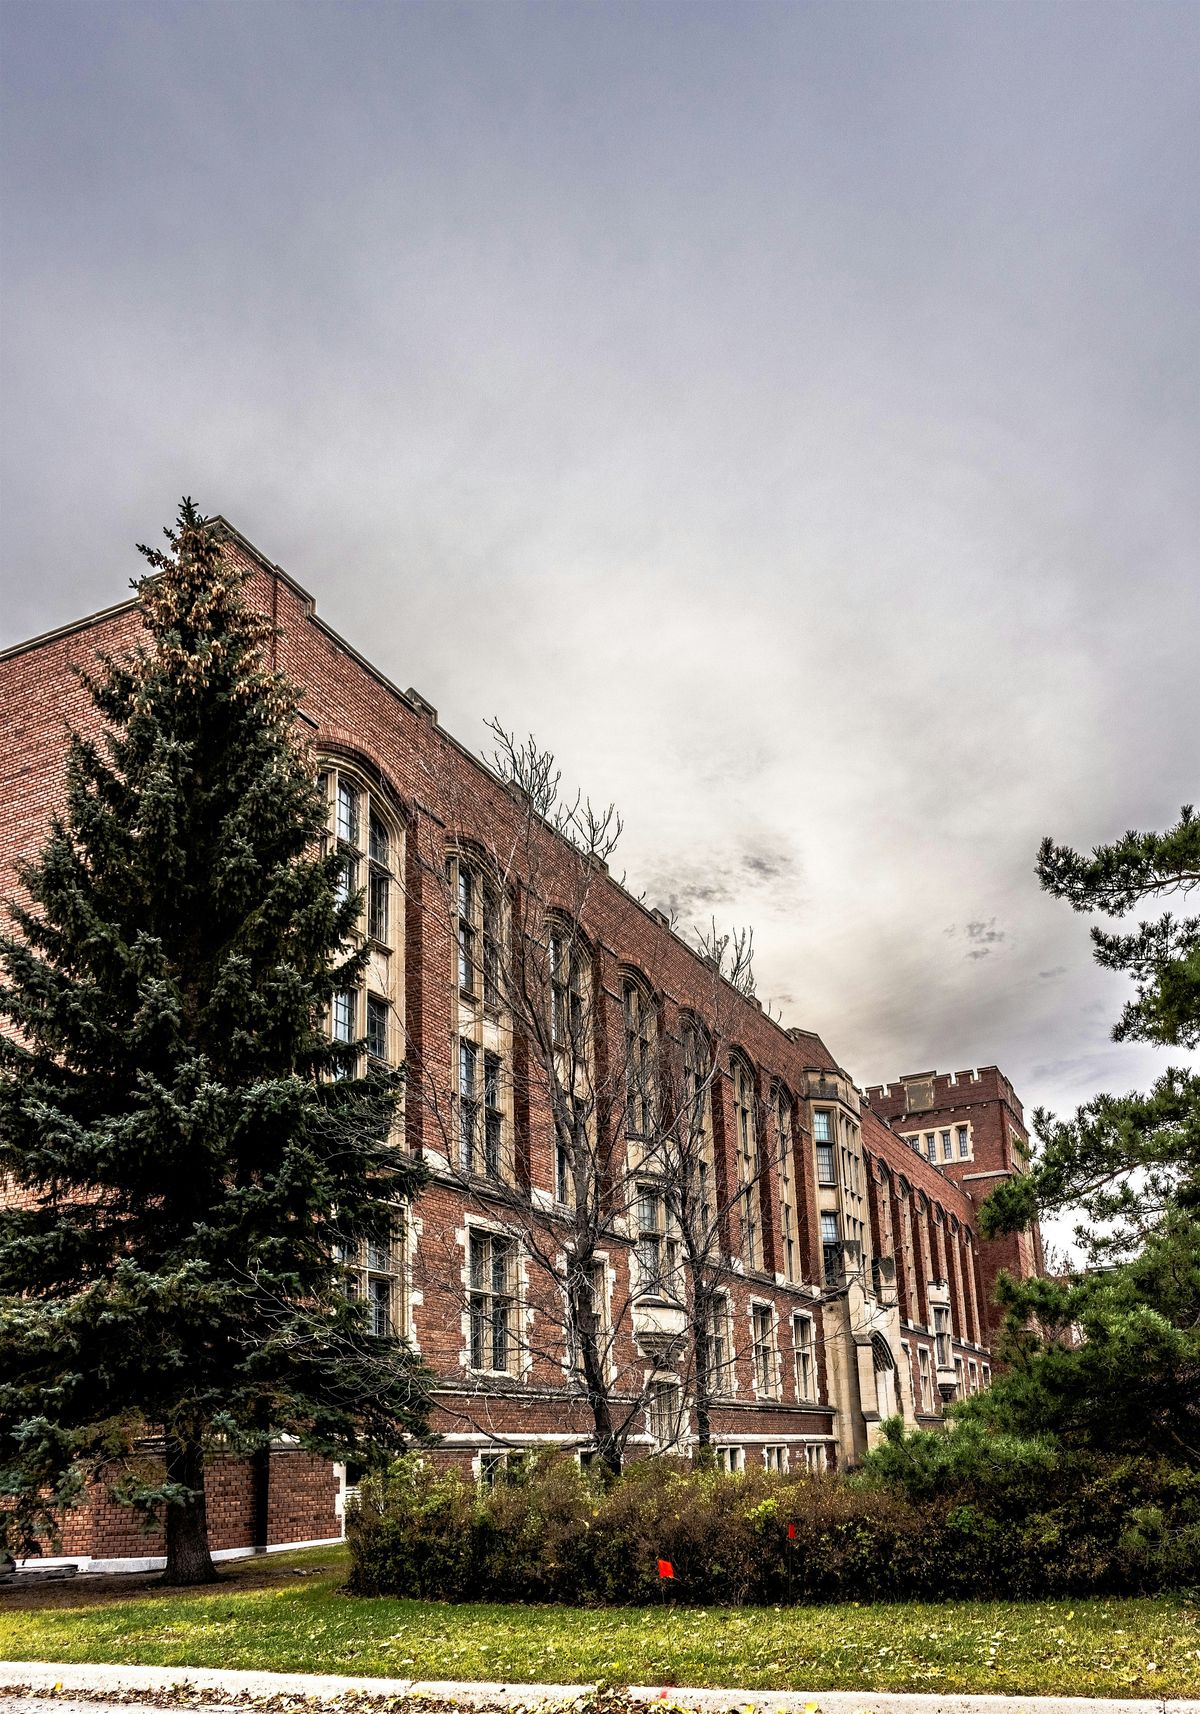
{"x":1045,"y":1525}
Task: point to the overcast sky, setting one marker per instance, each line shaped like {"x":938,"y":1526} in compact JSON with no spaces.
{"x":788,"y":412}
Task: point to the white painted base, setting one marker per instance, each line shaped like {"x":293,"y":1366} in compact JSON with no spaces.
{"x":157,"y":1562}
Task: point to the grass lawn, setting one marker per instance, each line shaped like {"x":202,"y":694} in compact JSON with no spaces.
{"x":287,"y":1613}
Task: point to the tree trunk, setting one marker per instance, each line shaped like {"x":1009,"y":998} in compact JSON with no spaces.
{"x":608,"y":1447}
{"x":188,"y":1557}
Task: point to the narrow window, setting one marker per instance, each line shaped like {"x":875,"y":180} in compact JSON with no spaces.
{"x":347,"y":813}
{"x":491,"y":950}
{"x":964,"y":1142}
{"x":468,"y":1104}
{"x":826,"y":1159}
{"x":947,"y":1150}
{"x":638,"y":1055}
{"x":466,"y":931}
{"x":492,"y":1263}
{"x":775,"y":1459}
{"x":941,"y":1333}
{"x":746,"y":1142}
{"x":931,"y":1145}
{"x":492,"y":1116}
{"x":831,"y":1249}
{"x":763,"y":1350}
{"x":787,"y":1189}
{"x":377,"y":1027}
{"x":657,"y":1247}
{"x":717,"y":1345}
{"x":804,"y":1357}
{"x":343,"y":1015}
{"x":664,"y":1411}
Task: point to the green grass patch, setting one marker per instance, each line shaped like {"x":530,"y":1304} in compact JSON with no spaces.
{"x":268,"y":1614}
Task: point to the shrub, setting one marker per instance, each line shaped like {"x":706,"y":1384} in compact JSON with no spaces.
{"x":919,"y":1521}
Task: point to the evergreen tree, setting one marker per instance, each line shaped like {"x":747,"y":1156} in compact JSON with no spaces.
{"x":186,"y":1148}
{"x":1110,"y":1360}
{"x":1131,"y":1162}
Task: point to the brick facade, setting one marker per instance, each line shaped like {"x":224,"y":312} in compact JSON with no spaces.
{"x":906,"y":1260}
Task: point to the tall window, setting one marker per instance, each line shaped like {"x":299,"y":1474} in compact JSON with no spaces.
{"x":375,"y":1273}
{"x":926,"y":1380}
{"x":493,"y":1307}
{"x":480,"y":1111}
{"x":369,"y":844}
{"x":823,"y":1139}
{"x":745,"y":1138}
{"x":941,"y":1333}
{"x":478,"y":931}
{"x":831,"y":1249}
{"x":696,"y":1120}
{"x":804,"y":1357}
{"x":964,"y":1142}
{"x":717,"y":1346}
{"x":567,"y":1003}
{"x":658,"y":1249}
{"x":785,"y":1153}
{"x":639,"y":1061}
{"x":594,"y":1283}
{"x":762,"y":1329}
{"x":947,"y":1149}
{"x":664,"y":1401}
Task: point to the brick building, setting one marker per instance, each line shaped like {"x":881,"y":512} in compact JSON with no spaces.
{"x":846,"y":1281}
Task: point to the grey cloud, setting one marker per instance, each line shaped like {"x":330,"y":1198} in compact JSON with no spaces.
{"x":786,"y":413}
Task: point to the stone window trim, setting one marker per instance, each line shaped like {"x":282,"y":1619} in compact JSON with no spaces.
{"x":804,"y":1358}
{"x":479,"y":926}
{"x":747,"y":1149}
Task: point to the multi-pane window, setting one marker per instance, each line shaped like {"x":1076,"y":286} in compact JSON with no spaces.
{"x":775,"y":1458}
{"x":377,"y":1027}
{"x":730,"y":1459}
{"x":987,"y":1375}
{"x":379,"y":881}
{"x":375,"y":1265}
{"x":664,"y":1400}
{"x":658,"y":1250}
{"x":480,"y":1111}
{"x":931,"y":1145}
{"x":788,"y":1236}
{"x":745,"y":1138}
{"x":762,"y":1332}
{"x":717,"y":1346}
{"x":964,"y":1142}
{"x":478,"y":931}
{"x":823,"y":1139}
{"x":592,"y":1282}
{"x":467,"y":964}
{"x":639,"y":1061}
{"x":468,"y":1104}
{"x":695,"y":1117}
{"x":369,"y":845}
{"x":941,"y":1335}
{"x":566,"y":991}
{"x":926,"y":1379}
{"x":947,"y":1147}
{"x":493,"y":1306}
{"x":973,"y":1372}
{"x":343,"y":1015}
{"x":804,"y":1357}
{"x":960,"y":1378}
{"x":815,"y":1458}
{"x":831,"y":1249}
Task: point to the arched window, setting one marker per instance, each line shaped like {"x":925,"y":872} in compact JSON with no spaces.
{"x":695,"y":1123}
{"x":785,"y":1147}
{"x":369,"y":838}
{"x":639,"y":1059}
{"x":370,"y":842}
{"x":745,"y":1142}
{"x":482,"y":1045}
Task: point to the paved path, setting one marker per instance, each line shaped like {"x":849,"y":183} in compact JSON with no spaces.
{"x":73,"y":1684}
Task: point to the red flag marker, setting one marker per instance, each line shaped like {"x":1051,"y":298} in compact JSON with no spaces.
{"x":791,"y":1532}
{"x":665,"y":1568}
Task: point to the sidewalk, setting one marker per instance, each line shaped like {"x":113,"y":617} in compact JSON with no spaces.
{"x":77,"y":1681}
